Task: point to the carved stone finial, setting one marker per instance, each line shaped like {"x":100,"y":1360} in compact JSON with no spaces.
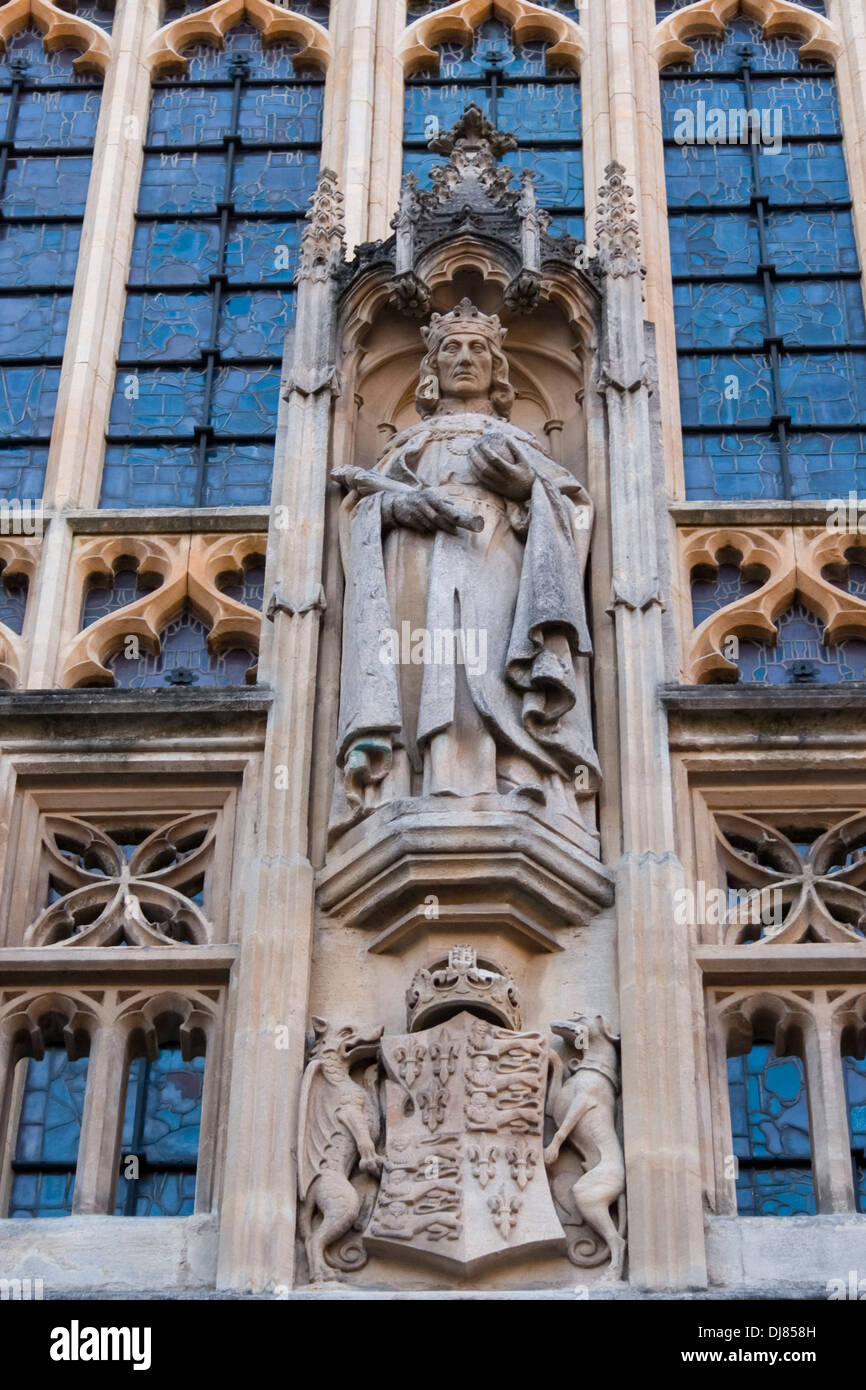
{"x":617,"y":231}
{"x":461,"y":984}
{"x":323,"y":242}
{"x":473,"y":128}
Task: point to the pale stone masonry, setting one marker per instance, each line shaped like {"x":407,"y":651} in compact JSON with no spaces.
{"x":457,"y":1034}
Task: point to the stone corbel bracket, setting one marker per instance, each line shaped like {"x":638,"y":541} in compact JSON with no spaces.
{"x":708,"y":17}
{"x":188,"y":569}
{"x":497,"y":872}
{"x":59,"y":30}
{"x":791,"y":561}
{"x":456,"y":23}
{"x":210,"y":24}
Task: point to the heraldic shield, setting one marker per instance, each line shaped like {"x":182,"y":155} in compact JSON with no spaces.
{"x":463,"y":1176}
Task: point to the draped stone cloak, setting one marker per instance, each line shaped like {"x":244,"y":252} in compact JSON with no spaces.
{"x":519,"y":582}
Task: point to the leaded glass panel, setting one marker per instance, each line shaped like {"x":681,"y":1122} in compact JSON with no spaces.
{"x":855,"y":1094}
{"x":49,"y":1128}
{"x":770,"y":1128}
{"x":231,"y":160}
{"x":770,"y":322}
{"x":161,"y":1130}
{"x":48,"y":119}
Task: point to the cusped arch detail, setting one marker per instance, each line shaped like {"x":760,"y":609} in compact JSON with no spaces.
{"x":708,"y":18}
{"x":59,"y":30}
{"x":210,"y":25}
{"x":456,"y":24}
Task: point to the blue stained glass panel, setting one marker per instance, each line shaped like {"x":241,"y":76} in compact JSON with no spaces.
{"x":166,"y":326}
{"x":163,"y":402}
{"x":246,"y":400}
{"x":254,"y":324}
{"x":183,"y":659}
{"x":770,"y":1119}
{"x":135,"y":475}
{"x":260,"y":251}
{"x":238,"y":475}
{"x":727,"y":586}
{"x":49,"y":1130}
{"x":33,"y":325}
{"x":174,"y":253}
{"x":28,"y":397}
{"x":826,"y":388}
{"x":22,"y":471}
{"x":162,"y":1123}
{"x":732,"y":466}
{"x":703,"y":310}
{"x":827,"y":465}
{"x":39,"y":185}
{"x":855,"y":1092}
{"x":45,"y":119}
{"x":181,"y":182}
{"x":13,"y":600}
{"x":44,"y":254}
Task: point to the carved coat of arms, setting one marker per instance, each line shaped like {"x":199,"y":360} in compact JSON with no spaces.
{"x":463,"y":1176}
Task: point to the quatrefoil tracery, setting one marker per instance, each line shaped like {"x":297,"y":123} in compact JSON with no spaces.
{"x":820,"y":878}
{"x":107,"y":899}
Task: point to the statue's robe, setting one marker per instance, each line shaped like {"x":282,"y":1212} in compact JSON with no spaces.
{"x":523,"y":722}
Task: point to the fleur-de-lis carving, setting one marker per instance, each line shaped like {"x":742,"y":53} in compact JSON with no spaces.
{"x":482,"y":1158}
{"x":521,"y":1161}
{"x":505,"y":1209}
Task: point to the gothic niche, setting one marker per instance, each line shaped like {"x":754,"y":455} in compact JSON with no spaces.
{"x":463,"y":526}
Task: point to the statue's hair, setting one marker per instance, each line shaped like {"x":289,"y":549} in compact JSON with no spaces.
{"x":501,"y":390}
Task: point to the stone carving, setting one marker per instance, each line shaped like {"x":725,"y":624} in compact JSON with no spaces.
{"x":323,"y":239}
{"x":340,"y":1125}
{"x":468,"y":533}
{"x":617,"y":231}
{"x":581,"y":1101}
{"x":436,"y":1195}
{"x":461,"y":982}
{"x":108,"y":899}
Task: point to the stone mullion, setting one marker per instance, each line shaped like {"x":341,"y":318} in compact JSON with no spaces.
{"x":96,"y":316}
{"x":660,"y":1128}
{"x":595,"y":106}
{"x":387,"y":134}
{"x":850,"y":23}
{"x":348,"y":124}
{"x":654,"y":230}
{"x":828,"y":1117}
{"x":99,"y":1146}
{"x":257,"y":1238}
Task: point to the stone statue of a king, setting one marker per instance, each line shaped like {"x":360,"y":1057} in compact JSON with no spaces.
{"x":465,"y":642}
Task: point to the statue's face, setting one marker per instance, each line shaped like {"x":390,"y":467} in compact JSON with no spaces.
{"x":464,"y":364}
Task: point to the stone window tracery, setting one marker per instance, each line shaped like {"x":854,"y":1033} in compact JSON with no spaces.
{"x":48,"y":118}
{"x":231,"y":158}
{"x":517,"y":91}
{"x":768,"y":302}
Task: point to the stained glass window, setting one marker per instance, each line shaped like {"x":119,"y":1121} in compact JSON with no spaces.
{"x":231,"y":159}
{"x":855,"y":1093}
{"x":512,"y":85}
{"x":161,"y":1127}
{"x":771,"y":332}
{"x":49,"y":1128}
{"x":770,"y":1127}
{"x":48,"y":118}
{"x":13,"y":598}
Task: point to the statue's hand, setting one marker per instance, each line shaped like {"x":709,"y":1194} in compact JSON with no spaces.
{"x":423,"y":510}
{"x":501,"y":465}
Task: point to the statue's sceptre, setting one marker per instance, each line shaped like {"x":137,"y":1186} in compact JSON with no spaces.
{"x":365,"y":482}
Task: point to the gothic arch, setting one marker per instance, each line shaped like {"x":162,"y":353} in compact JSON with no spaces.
{"x":212,"y":23}
{"x":457,"y":22}
{"x":708,"y":17}
{"x":59,"y":29}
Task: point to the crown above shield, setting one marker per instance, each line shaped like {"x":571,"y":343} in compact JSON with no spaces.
{"x":461,"y":985}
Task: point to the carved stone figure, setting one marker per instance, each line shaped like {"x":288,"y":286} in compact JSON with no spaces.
{"x":581,"y":1101}
{"x":340,"y":1126}
{"x":465,"y":640}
